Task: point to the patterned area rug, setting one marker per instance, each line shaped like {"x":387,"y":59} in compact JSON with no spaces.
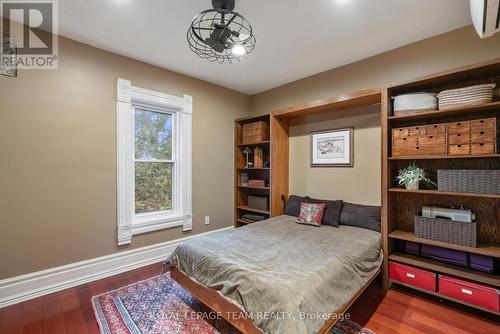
{"x":160,"y":305}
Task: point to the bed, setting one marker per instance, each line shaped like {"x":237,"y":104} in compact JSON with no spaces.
{"x":277,"y":276}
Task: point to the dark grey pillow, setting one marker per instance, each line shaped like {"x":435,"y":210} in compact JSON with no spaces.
{"x":331,"y":214}
{"x":292,"y":206}
{"x":364,"y":216}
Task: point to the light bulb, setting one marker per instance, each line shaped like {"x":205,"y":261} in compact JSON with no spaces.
{"x":238,"y":50}
{"x":243,"y":37}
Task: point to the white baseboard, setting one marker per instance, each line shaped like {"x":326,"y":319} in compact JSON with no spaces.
{"x":20,"y":288}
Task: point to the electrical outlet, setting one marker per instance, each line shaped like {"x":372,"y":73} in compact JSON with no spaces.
{"x":207,"y":220}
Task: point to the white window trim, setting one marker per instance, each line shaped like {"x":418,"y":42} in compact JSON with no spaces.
{"x":128,"y":223}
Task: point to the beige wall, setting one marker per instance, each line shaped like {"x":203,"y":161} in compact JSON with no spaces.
{"x":361,"y":184}
{"x":58,"y":151}
{"x":358,"y":184}
{"x":457,"y":48}
{"x":58,"y":157}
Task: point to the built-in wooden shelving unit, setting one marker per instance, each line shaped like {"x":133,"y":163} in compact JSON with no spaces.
{"x":257,"y":173}
{"x":276,"y":150}
{"x":401,"y":205}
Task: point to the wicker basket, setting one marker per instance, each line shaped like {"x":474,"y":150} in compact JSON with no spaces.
{"x":469,"y":181}
{"x":445,"y":230}
{"x":467,"y":96}
{"x":414,"y":103}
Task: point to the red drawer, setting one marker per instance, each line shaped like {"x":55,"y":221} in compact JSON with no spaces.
{"x":470,"y":292}
{"x":412,"y":276}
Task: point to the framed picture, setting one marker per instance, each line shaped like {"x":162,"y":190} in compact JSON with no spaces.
{"x":332,"y":148}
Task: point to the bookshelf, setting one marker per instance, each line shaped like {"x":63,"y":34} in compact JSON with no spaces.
{"x":276,"y":184}
{"x":400,"y":205}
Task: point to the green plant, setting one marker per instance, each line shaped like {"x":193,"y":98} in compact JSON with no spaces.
{"x":414,"y":173}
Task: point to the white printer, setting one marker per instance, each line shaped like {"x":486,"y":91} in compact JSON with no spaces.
{"x":461,"y":215}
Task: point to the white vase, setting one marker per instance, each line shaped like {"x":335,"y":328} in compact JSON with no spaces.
{"x":412,"y":185}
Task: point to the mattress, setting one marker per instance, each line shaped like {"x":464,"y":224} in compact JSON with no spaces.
{"x":288,"y":278}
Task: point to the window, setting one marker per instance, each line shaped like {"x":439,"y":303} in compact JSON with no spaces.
{"x":154,"y":161}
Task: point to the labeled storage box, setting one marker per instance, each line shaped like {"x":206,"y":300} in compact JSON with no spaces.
{"x":419,"y":278}
{"x":469,"y":181}
{"x":445,"y":230}
{"x":473,"y":293}
{"x":255,"y":132}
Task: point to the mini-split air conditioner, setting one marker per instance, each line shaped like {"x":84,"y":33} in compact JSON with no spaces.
{"x":485,"y":16}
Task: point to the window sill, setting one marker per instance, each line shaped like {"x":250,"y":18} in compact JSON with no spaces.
{"x":156,"y":223}
{"x":126,"y":232}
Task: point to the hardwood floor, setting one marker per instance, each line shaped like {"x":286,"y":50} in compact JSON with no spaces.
{"x":403,"y":310}
{"x":68,"y":311}
{"x":399,"y":311}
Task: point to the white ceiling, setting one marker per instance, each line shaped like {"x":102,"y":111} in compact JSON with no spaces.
{"x":295,"y":38}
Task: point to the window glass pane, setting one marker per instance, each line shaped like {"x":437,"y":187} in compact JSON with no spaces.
{"x":153,"y":135}
{"x":153,"y":186}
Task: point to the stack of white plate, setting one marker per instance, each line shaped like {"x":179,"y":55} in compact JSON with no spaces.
{"x":414,"y":103}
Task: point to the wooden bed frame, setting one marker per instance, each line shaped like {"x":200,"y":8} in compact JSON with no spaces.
{"x":279,"y":155}
{"x":234,"y":315}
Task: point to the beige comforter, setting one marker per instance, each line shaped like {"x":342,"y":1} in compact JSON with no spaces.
{"x":287,"y":277}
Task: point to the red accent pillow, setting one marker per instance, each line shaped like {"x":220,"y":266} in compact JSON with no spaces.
{"x":310,"y":213}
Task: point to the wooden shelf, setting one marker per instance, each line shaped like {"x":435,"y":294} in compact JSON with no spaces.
{"x":249,"y":187}
{"x":254,"y":168}
{"x":437,"y":294}
{"x":495,"y":106}
{"x":342,"y":102}
{"x":262,"y":143}
{"x":437,"y":157}
{"x":443,"y":193}
{"x":445,"y":268}
{"x":245,"y":221}
{"x":488,"y":250}
{"x":247,"y":208}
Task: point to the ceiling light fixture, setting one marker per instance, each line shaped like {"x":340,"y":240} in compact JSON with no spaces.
{"x":220,"y":34}
{"x":238,"y":50}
